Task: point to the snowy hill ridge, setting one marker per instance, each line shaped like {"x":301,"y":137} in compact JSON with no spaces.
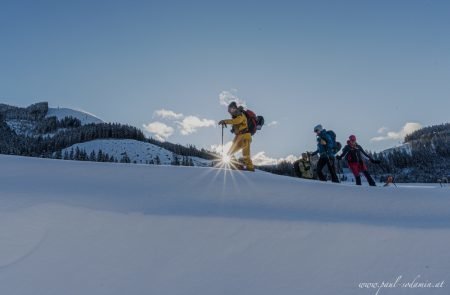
{"x":209,"y":191}
{"x":41,"y":110}
{"x":83,"y":116}
{"x":105,"y":228}
{"x":65,"y":129}
{"x":137,"y":151}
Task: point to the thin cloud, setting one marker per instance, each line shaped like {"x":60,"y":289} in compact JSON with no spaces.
{"x":226,"y":97}
{"x":168,"y":114}
{"x":190,"y":124}
{"x":273,"y":123}
{"x":160,"y":130}
{"x":409,"y":128}
{"x":382,"y":130}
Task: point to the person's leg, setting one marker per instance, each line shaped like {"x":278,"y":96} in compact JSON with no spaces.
{"x":320,"y":165}
{"x":297,"y":168}
{"x":235,"y":147}
{"x":354,"y":167}
{"x":369,"y":178}
{"x":332,"y":169}
{"x":246,"y":141}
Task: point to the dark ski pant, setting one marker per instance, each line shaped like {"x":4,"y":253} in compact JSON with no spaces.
{"x":357,"y":168}
{"x":369,"y":179}
{"x":329,"y":162}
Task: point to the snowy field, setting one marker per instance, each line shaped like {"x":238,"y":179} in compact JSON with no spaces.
{"x":71,"y":227}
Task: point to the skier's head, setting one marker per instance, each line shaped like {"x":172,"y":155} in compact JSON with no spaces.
{"x":352,"y":138}
{"x":305,"y":156}
{"x":233,"y":108}
{"x":318,"y":128}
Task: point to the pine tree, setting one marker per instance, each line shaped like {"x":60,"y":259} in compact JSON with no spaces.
{"x":100,"y":157}
{"x":58,"y":155}
{"x":125,"y":158}
{"x":92,"y":156}
{"x":175,"y":161}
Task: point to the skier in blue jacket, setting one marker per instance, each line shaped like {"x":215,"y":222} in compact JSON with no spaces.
{"x":325,"y":149}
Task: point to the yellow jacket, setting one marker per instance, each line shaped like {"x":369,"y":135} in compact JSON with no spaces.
{"x":239,"y":124}
{"x":305,"y":168}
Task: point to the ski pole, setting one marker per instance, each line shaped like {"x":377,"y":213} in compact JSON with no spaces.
{"x":222,"y":140}
{"x":340,"y":170}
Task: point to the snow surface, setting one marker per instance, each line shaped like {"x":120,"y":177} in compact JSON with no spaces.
{"x":84,"y":117}
{"x":70,"y":227}
{"x":138,"y":151}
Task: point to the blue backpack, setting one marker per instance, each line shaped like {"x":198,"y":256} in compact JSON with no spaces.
{"x":337,"y":146}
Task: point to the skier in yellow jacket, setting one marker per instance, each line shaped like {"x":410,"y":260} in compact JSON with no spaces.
{"x":243,"y":138}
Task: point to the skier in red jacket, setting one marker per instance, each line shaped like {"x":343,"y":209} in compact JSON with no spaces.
{"x":353,"y":152}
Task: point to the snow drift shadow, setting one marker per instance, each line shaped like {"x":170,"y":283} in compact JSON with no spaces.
{"x":166,"y":190}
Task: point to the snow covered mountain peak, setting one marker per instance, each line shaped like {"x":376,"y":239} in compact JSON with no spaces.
{"x":83,"y":116}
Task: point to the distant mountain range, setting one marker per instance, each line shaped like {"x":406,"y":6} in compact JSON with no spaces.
{"x":64,"y":133}
{"x":69,"y":134}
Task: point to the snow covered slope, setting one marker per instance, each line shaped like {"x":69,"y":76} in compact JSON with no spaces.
{"x":406,"y":147}
{"x":27,"y":127}
{"x":84,"y":117}
{"x":71,"y":227}
{"x":138,"y":151}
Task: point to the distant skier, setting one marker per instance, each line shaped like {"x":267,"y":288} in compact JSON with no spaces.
{"x":243,"y":137}
{"x":303,"y":167}
{"x":326,"y":148}
{"x":389,"y":181}
{"x":353,"y":152}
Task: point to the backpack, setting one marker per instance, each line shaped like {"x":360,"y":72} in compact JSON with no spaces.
{"x":254,"y":122}
{"x":336,"y":144}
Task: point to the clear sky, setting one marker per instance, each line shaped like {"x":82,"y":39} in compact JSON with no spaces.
{"x":354,"y":66}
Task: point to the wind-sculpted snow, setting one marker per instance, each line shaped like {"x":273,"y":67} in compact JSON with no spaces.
{"x":172,"y":190}
{"x":72,"y":227}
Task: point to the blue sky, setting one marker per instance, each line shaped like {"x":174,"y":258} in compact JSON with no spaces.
{"x":354,"y":66}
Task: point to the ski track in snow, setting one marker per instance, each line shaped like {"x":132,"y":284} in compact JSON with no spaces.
{"x":19,"y":238}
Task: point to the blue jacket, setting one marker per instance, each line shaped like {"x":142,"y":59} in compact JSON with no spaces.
{"x":324,"y":149}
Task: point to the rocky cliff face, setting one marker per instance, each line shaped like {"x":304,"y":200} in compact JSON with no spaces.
{"x":34,"y":112}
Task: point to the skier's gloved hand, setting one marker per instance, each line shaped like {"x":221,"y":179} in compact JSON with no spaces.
{"x":222,"y":122}
{"x":375,"y":161}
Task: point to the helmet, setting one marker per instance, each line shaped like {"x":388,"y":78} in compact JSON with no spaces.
{"x":318,"y":128}
{"x":233,"y":105}
{"x":233,"y":108}
{"x":352,"y":138}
